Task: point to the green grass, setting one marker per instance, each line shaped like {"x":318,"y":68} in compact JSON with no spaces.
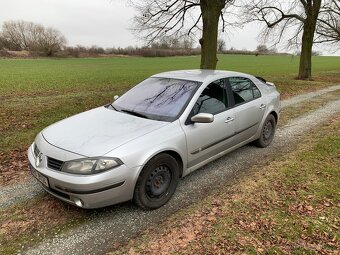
{"x":40,"y":76}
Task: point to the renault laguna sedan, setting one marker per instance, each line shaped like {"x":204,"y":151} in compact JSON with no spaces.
{"x":138,"y":147}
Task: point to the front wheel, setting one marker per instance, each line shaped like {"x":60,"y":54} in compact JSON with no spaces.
{"x":267,"y":132}
{"x":157,"y":182}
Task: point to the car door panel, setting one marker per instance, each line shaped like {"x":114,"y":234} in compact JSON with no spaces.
{"x":204,"y":140}
{"x":249,"y":107}
{"x":248,"y":117}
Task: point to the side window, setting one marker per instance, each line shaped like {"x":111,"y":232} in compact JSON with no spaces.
{"x":212,"y":100}
{"x":243,"y":89}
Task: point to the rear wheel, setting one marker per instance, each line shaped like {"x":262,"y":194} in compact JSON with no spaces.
{"x":157,"y":182}
{"x":267,"y":132}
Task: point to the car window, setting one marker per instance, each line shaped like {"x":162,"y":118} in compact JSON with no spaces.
{"x":243,"y":89}
{"x":212,"y":100}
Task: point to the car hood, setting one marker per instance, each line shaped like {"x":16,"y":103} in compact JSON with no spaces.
{"x":98,"y":131}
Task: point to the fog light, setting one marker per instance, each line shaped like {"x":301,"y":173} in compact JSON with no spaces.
{"x":78,"y":202}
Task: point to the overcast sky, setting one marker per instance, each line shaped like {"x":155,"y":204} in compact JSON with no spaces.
{"x":104,"y":23}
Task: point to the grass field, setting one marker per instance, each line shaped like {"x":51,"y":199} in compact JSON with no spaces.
{"x":42,"y":76}
{"x":37,"y":92}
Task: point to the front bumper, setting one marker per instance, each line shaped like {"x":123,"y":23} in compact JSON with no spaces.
{"x":87,"y":191}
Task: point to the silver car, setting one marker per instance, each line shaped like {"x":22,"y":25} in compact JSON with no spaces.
{"x":138,"y":147}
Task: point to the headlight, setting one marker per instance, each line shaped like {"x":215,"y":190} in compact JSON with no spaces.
{"x":90,"y":165}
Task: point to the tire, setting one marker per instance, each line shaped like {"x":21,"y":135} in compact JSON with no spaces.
{"x":157,"y":182}
{"x":267,"y":132}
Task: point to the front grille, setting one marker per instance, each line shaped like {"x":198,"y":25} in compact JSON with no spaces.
{"x":36,"y":150}
{"x":54,"y":163}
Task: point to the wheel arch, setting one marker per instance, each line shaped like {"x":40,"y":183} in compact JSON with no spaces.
{"x":276,"y":116}
{"x":175,"y":154}
{"x":177,"y":157}
{"x":271,"y":111}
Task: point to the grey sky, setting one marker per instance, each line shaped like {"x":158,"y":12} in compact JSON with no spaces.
{"x":86,"y":22}
{"x":104,"y":23}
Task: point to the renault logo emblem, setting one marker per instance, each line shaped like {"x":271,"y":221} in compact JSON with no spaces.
{"x":38,"y":159}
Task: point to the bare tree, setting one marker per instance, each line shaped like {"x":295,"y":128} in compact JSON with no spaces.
{"x":3,"y":43}
{"x":300,"y":18}
{"x":159,"y":18}
{"x":23,"y":35}
{"x":328,"y":28}
{"x":220,"y":45}
{"x":12,"y":35}
{"x":187,"y":43}
{"x":50,"y":41}
{"x":261,"y":48}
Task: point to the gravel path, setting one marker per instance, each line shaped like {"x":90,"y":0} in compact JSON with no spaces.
{"x":306,"y":96}
{"x":124,"y":221}
{"x":20,"y":192}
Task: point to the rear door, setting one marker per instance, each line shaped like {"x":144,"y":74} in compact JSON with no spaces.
{"x":204,"y":140}
{"x":248,"y":105}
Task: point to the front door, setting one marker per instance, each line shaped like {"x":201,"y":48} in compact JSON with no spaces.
{"x":205,"y":140}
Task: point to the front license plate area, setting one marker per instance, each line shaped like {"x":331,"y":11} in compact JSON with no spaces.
{"x":41,"y":178}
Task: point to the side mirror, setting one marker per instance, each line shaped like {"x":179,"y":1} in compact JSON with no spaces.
{"x":202,"y":118}
{"x":115,"y":97}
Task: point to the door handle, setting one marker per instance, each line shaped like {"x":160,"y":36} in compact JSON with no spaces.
{"x":263,"y":106}
{"x":229,"y":119}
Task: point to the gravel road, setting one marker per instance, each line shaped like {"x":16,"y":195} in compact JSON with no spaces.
{"x":307,"y":96}
{"x":123,"y":221}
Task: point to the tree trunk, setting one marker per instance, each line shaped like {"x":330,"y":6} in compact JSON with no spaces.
{"x":305,"y":69}
{"x":312,"y":11}
{"x":211,"y":10}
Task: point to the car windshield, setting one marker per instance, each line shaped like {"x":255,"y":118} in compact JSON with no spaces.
{"x":157,"y":98}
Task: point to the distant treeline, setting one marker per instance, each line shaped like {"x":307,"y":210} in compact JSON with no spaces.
{"x":20,"y":39}
{"x":80,"y":51}
{"x":27,"y":39}
{"x":151,"y":51}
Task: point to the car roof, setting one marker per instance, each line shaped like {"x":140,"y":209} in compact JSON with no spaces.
{"x":200,"y":75}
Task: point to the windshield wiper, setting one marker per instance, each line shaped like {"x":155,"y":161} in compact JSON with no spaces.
{"x":136,"y":114}
{"x":114,"y":108}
